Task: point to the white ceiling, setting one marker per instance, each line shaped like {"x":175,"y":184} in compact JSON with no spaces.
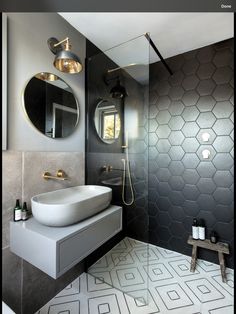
{"x":173,"y":33}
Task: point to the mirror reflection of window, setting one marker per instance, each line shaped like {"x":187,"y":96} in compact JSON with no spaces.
{"x":107,"y":121}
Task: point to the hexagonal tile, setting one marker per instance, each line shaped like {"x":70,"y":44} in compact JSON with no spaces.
{"x":190,"y":160}
{"x":223,"y":127}
{"x":176,"y":198}
{"x":206,"y":202}
{"x":152,"y":97}
{"x":164,"y":219}
{"x":163,"y":117}
{"x":176,"y":123}
{"x":163,"y":174}
{"x":223,"y":161}
{"x":152,"y":111}
{"x":162,"y":88}
{"x":176,"y":108}
{"x":190,"y":82}
{"x":152,"y":209}
{"x":223,"y":75}
{"x":206,"y":185}
{"x":190,"y":145}
{"x":177,"y":78}
{"x":206,"y":87}
{"x":190,"y":192}
{"x":152,"y":166}
{"x":224,"y":230}
{"x":163,"y":146}
{"x":223,"y":109}
{"x":190,"y":176}
{"x":153,"y":139}
{"x":163,"y":103}
{"x":232,"y":99}
{"x":176,"y":138}
{"x":163,"y":203}
{"x":176,"y":153}
{"x":163,"y":188}
{"x":206,"y":147}
{"x":223,"y":196}
{"x":223,"y":58}
{"x":177,"y":213}
{"x":190,"y":54}
{"x":163,"y":160}
{"x":206,"y":119}
{"x":206,"y":169}
{"x":152,"y":152}
{"x":223,"y":144}
{"x":190,"y":98}
{"x":211,"y":134}
{"x":163,"y":131}
{"x":190,"y":113}
{"x":176,"y":92}
{"x":223,"y":92}
{"x":206,"y":103}
{"x":224,"y":213}
{"x":152,"y":180}
{"x":176,"y":62}
{"x":163,"y":233}
{"x":208,"y":218}
{"x":176,"y":168}
{"x":206,"y":71}
{"x":176,"y":183}
{"x":190,"y":129}
{"x":206,"y":54}
{"x":190,"y":66}
{"x":191,"y":209}
{"x":223,"y":178}
{"x":152,"y":125}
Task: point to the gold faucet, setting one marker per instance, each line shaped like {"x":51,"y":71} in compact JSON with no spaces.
{"x":107,"y":168}
{"x":61,"y":175}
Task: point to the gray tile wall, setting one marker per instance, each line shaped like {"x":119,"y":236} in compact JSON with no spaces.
{"x":182,"y":185}
{"x":26,"y":288}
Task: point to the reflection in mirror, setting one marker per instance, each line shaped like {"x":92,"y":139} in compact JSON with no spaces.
{"x":51,"y":105}
{"x":107,"y":121}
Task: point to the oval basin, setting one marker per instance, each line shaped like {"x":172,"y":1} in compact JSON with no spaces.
{"x":71,"y":205}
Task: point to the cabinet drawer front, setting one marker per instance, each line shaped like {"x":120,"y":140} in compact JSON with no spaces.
{"x":77,"y":247}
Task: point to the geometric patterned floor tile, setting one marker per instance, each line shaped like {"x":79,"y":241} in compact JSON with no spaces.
{"x":139,"y":278}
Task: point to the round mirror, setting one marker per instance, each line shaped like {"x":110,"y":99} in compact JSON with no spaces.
{"x":107,"y":121}
{"x":51,"y":105}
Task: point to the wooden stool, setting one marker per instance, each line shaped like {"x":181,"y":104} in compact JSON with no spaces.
{"x":221,"y":248}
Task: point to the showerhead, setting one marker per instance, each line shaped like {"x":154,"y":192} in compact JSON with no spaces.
{"x":118,"y":91}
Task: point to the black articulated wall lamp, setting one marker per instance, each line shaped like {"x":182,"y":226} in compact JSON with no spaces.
{"x":117,"y":91}
{"x":65,"y":61}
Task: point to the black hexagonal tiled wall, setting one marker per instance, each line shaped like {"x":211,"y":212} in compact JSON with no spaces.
{"x":196,"y":99}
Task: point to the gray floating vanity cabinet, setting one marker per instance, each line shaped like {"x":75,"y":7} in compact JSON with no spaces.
{"x":55,"y":250}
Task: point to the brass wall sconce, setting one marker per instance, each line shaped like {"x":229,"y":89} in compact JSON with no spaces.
{"x":65,"y":61}
{"x":59,"y":176}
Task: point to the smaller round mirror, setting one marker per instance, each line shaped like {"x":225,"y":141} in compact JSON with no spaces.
{"x":51,"y":105}
{"x":107,"y":121}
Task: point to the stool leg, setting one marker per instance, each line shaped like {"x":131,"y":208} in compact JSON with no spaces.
{"x":222,"y":266}
{"x":194,"y":258}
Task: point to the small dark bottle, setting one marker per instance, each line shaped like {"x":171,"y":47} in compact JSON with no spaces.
{"x":24,"y":212}
{"x":17,"y":211}
{"x":213,"y":237}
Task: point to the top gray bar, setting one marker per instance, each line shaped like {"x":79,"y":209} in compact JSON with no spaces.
{"x":117,"y":6}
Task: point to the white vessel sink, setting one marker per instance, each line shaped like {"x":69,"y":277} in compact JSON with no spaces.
{"x":71,"y":205}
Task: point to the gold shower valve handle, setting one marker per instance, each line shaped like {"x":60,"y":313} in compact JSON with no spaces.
{"x":59,"y":176}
